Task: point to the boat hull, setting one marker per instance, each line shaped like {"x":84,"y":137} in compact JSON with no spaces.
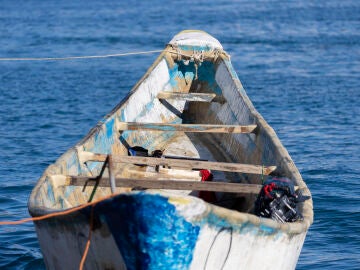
{"x":162,"y":229}
{"x":154,"y":231}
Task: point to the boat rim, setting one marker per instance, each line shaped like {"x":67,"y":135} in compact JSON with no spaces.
{"x":289,"y":227}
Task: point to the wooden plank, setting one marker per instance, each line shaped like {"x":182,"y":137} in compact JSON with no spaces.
{"x":167,"y":184}
{"x":188,"y":164}
{"x":85,"y":156}
{"x":186,"y":127}
{"x":112,"y":180}
{"x":198,"y":97}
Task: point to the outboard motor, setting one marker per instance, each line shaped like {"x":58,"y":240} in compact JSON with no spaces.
{"x":277,"y":200}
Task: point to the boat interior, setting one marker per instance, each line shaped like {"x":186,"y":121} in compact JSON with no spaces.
{"x":186,"y":128}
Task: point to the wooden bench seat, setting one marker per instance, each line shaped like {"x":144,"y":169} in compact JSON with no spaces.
{"x":113,"y":181}
{"x":181,"y":163}
{"x":198,"y":97}
{"x":121,"y":126}
{"x":149,"y":183}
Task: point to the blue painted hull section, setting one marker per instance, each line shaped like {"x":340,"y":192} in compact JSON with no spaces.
{"x":149,"y":232}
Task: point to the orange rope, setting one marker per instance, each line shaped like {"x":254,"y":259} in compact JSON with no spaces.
{"x":83,"y":259}
{"x":56,"y":214}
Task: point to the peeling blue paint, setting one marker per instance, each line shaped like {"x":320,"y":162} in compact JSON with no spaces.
{"x":186,"y":70}
{"x":206,"y":74}
{"x":164,"y":137}
{"x":72,"y":161}
{"x":147,"y":109}
{"x":50,"y":193}
{"x":146,"y":239}
{"x":102,"y":144}
{"x":267,"y":230}
{"x":243,"y":228}
{"x":122,"y":115}
{"x":189,"y":76}
{"x":195,"y":48}
{"x":125,"y":134}
{"x":109,"y":128}
{"x":68,"y":191}
{"x":173,"y":73}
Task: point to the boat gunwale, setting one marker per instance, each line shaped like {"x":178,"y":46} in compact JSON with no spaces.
{"x":290,"y":228}
{"x":263,"y":126}
{"x":233,"y":217}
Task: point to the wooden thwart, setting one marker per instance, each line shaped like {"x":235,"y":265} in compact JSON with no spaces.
{"x":166,"y":184}
{"x":186,"y":164}
{"x":199,"y":97}
{"x":186,"y":127}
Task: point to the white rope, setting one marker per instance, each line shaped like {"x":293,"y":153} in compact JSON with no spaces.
{"x":198,"y":56}
{"x":78,"y":57}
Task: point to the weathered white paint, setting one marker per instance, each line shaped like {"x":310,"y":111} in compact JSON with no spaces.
{"x":236,"y":250}
{"x":147,"y":92}
{"x":239,"y":243}
{"x":227,"y":239}
{"x":63,"y":246}
{"x":195,"y":38}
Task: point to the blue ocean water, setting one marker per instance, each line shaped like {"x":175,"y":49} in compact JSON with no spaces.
{"x":299,"y":62}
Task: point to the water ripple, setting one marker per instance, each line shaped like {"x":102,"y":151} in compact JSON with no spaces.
{"x":298,"y":61}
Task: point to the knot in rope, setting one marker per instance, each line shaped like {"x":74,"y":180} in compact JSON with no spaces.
{"x":198,"y":56}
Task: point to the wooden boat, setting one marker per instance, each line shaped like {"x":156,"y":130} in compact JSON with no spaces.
{"x":152,"y":211}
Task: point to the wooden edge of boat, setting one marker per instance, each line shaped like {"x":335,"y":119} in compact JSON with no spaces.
{"x":235,"y":216}
{"x":85,"y":156}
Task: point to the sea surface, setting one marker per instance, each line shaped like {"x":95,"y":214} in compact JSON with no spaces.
{"x":299,"y":62}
